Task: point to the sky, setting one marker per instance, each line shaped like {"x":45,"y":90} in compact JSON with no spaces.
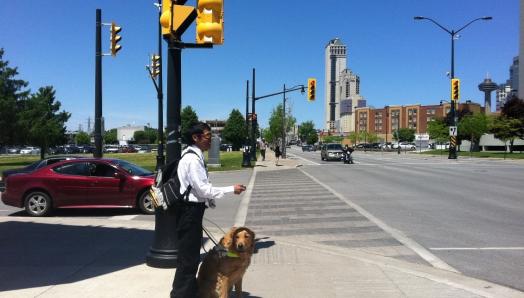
{"x":400,"y":61}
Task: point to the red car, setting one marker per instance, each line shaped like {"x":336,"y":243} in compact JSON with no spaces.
{"x":81,"y":183}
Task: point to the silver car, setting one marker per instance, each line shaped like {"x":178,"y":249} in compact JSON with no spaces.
{"x":331,"y":151}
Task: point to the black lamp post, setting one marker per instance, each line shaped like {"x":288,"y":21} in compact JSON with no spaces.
{"x":254,"y":98}
{"x":453,"y":34}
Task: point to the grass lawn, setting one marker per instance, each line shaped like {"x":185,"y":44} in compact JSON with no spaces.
{"x":229,"y":160}
{"x":483,"y":154}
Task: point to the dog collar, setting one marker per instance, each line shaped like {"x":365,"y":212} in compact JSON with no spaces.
{"x":232,"y":254}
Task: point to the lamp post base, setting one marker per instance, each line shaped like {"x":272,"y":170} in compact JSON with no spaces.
{"x":163,"y":253}
{"x":452,"y":153}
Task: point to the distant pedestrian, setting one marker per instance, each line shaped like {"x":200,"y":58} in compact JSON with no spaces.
{"x":192,"y":173}
{"x":262,"y":145}
{"x":277,"y":154}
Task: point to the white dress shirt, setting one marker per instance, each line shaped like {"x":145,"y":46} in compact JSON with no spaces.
{"x":192,"y":171}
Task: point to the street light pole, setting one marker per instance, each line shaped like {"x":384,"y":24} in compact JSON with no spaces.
{"x":160,"y":159}
{"x":453,"y":34}
{"x":284,"y":122}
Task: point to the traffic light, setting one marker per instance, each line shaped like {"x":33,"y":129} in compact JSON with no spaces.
{"x":185,"y":15}
{"x":210,"y":21}
{"x":311,"y":89}
{"x":155,"y":65}
{"x":115,"y":39}
{"x":455,"y":89}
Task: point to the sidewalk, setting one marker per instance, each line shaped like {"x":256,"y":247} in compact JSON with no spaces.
{"x":70,"y":257}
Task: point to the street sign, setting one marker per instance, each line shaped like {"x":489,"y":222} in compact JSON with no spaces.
{"x":452,"y":131}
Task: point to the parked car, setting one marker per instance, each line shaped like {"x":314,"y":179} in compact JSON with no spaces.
{"x":111,"y":149}
{"x":331,"y":151}
{"x":37,"y":165}
{"x":13,"y":150}
{"x":30,"y":150}
{"x":81,"y":183}
{"x":308,"y":148}
{"x":226,"y":147}
{"x":405,"y":146}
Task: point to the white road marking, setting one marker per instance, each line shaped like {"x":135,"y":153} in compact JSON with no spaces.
{"x":122,"y":217}
{"x":312,"y":162}
{"x":477,"y":248}
{"x":240,"y":218}
{"x":408,"y":242}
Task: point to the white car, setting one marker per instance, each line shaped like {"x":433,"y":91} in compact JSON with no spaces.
{"x":30,"y":150}
{"x":405,"y":146}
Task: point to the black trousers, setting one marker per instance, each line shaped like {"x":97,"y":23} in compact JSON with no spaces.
{"x":189,"y":232}
{"x":263,"y":153}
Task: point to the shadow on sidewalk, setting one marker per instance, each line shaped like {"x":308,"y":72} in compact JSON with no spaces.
{"x":37,"y":254}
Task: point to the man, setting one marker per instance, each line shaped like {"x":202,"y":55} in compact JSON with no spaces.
{"x":262,"y":147}
{"x":192,"y":171}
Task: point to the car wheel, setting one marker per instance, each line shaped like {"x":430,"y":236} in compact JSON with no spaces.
{"x":145,"y":203}
{"x":38,"y":203}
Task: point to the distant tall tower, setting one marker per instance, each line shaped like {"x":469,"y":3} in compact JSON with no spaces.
{"x":487,"y":87}
{"x":335,"y":61}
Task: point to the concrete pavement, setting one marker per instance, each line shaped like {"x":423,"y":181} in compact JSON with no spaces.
{"x":71,"y":257}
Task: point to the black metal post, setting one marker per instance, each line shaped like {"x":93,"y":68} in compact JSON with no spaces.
{"x":284,"y":122}
{"x":160,"y":159}
{"x":452,"y":142}
{"x":246,"y":156}
{"x":163,"y":253}
{"x":254,"y":121}
{"x":98,"y":86}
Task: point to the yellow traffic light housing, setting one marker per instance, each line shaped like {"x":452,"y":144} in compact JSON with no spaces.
{"x":115,"y":39}
{"x":455,"y":89}
{"x":184,"y":16}
{"x":311,"y":89}
{"x":155,"y":65}
{"x":210,"y":21}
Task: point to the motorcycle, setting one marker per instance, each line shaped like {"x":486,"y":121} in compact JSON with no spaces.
{"x":347,"y":158}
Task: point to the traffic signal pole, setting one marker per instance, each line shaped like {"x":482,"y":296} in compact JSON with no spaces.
{"x":98,"y":85}
{"x":163,"y":253}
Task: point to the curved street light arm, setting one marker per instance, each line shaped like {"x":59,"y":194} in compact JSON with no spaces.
{"x":463,"y":27}
{"x":434,"y":22}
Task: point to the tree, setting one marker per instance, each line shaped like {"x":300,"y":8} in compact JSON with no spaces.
{"x":354,"y":137}
{"x":307,"y":133}
{"x":275,"y":122}
{"x":151,"y":135}
{"x":141,"y":137}
{"x":11,"y":96}
{"x":235,"y":129}
{"x":404,"y":135}
{"x":110,"y":136}
{"x":188,"y":119}
{"x":506,"y":129}
{"x":42,"y":120}
{"x":82,"y":138}
{"x":514,"y":109}
{"x":472,"y":127}
{"x":438,"y":130}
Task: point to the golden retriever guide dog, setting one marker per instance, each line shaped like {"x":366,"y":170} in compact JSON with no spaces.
{"x":219,"y":272}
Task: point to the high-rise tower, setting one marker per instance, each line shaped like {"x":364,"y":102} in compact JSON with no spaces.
{"x":335,"y":61}
{"x":487,"y":87}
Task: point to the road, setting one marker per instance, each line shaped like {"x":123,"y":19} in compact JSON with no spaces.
{"x":467,"y":212}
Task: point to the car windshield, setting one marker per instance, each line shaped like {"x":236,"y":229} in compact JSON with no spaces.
{"x":334,"y":147}
{"x":132,"y":169}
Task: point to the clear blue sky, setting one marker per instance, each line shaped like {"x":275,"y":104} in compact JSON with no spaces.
{"x":399,"y":60}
